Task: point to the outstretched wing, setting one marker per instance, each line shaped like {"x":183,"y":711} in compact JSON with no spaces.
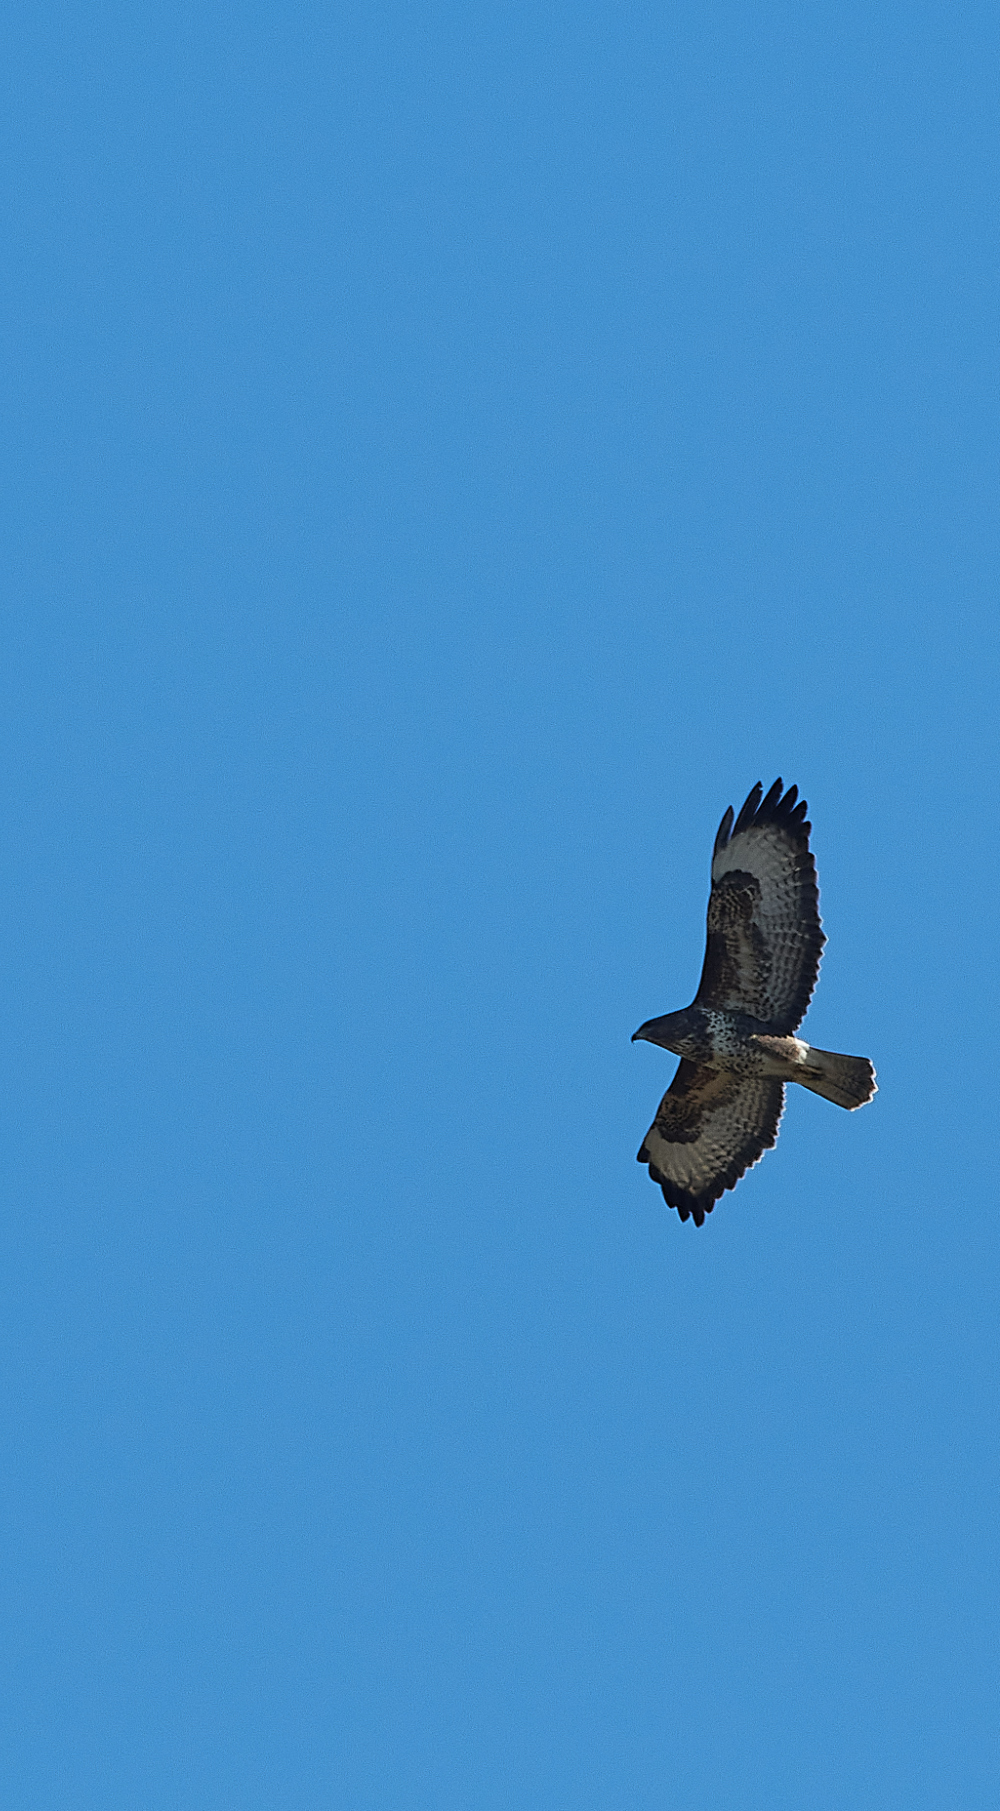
{"x":710,"y":1126}
{"x":764,"y":936}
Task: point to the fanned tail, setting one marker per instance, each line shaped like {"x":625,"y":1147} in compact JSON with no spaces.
{"x":849,"y":1081}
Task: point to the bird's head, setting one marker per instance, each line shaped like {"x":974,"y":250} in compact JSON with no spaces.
{"x":667,"y":1032}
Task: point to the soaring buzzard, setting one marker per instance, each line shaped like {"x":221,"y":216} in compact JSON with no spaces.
{"x":721,"y":1111}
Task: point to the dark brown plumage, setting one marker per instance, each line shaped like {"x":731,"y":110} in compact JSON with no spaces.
{"x":722,"y":1109}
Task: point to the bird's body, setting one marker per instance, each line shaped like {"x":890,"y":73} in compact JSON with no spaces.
{"x":735,"y":1041}
{"x":722,"y":1040}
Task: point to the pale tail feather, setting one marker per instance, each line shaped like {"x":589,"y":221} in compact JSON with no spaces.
{"x":849,"y":1081}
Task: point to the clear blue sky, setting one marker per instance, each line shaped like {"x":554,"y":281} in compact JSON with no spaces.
{"x":451,"y":452}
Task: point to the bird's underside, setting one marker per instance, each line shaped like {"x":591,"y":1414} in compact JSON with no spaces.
{"x":722,"y":1109}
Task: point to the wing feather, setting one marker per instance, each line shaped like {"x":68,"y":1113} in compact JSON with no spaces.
{"x":710,"y":1127}
{"x":764,"y":934}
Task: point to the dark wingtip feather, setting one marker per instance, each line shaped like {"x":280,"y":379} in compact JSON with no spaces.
{"x":748,"y":809}
{"x":770,"y":802}
{"x":722,"y":834}
{"x":688,"y":1206}
{"x":776,"y":806}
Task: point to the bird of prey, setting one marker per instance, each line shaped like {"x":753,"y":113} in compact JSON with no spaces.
{"x":721,"y":1111}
